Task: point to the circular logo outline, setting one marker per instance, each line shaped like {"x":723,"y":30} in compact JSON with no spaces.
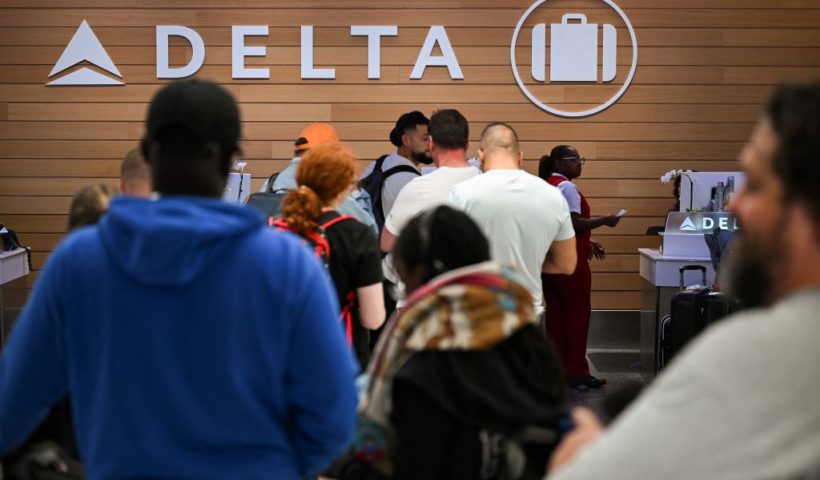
{"x":584,"y":113}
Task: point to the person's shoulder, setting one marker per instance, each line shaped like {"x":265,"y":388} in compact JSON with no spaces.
{"x":83,"y":240}
{"x":350,"y":225}
{"x":394,"y":160}
{"x":270,"y":243}
{"x":788,"y":328}
{"x":414,"y":186}
{"x":475,"y":183}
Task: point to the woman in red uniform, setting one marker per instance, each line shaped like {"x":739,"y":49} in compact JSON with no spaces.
{"x":568,"y":297}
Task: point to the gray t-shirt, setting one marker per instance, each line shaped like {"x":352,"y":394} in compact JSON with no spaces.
{"x":741,"y":402}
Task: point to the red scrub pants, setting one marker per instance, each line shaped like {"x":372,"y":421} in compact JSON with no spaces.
{"x":567,"y":316}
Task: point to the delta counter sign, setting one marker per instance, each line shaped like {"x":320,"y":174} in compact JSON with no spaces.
{"x":572,"y":56}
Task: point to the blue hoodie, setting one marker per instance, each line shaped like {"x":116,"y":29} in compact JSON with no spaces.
{"x":194,"y":342}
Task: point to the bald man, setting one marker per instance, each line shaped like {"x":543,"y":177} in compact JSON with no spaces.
{"x":135,"y":175}
{"x":526,"y":220}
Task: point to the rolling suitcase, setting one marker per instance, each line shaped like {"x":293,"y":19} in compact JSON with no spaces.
{"x":693,"y":309}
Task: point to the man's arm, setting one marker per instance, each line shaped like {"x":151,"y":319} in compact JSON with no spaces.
{"x":405,"y":207}
{"x":561,"y":257}
{"x":388,"y":240}
{"x":320,"y":373}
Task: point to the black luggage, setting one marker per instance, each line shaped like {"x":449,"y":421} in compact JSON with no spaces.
{"x":693,"y":309}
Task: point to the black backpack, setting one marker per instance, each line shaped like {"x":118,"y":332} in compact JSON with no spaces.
{"x":270,"y":201}
{"x":374,"y":183}
{"x":317,"y":242}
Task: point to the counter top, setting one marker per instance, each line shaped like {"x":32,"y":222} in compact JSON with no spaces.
{"x":13,"y":265}
{"x":663,"y":271}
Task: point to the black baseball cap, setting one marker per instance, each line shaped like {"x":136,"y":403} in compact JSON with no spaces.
{"x":201,"y":107}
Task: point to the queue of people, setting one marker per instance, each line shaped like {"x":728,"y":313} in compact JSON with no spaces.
{"x":193,"y":340}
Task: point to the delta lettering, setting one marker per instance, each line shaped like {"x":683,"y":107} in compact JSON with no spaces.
{"x":240,"y":50}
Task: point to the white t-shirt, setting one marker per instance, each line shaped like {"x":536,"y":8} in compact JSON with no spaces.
{"x":570,"y":192}
{"x":521,"y":215}
{"x":425,"y":192}
{"x":422,"y":193}
{"x":394,"y":183}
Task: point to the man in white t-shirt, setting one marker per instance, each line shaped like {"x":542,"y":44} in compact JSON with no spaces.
{"x":448,"y":139}
{"x":409,"y":136}
{"x":526,"y":220}
{"x":448,"y":142}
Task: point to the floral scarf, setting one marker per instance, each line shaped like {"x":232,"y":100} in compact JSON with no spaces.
{"x":471,"y":308}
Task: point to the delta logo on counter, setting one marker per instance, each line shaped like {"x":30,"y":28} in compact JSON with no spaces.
{"x":705,"y":222}
{"x":575,"y":41}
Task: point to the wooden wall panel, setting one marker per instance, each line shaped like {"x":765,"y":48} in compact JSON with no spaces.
{"x":705,"y":69}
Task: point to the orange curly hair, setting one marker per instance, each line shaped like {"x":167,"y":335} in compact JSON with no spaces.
{"x":323,"y":173}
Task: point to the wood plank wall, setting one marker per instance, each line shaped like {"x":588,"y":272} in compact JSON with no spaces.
{"x":705,"y":68}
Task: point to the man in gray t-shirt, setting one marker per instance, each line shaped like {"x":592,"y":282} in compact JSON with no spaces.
{"x":743,"y":400}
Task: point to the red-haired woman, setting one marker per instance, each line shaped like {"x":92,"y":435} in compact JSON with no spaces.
{"x":326,"y":176}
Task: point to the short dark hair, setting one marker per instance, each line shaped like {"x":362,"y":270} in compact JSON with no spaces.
{"x":191,"y":135}
{"x":794,"y":113}
{"x":408,"y":121}
{"x":186,"y":115}
{"x":440,"y":240}
{"x":449,"y":129}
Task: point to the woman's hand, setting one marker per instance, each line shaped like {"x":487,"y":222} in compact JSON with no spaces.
{"x":596,"y":250}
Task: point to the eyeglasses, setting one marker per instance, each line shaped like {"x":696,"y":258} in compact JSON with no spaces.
{"x":579,"y":161}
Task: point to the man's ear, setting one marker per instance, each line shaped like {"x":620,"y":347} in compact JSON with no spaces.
{"x":405,"y":139}
{"x":520,"y":159}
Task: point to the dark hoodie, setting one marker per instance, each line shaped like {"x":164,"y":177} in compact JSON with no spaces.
{"x":194,"y":343}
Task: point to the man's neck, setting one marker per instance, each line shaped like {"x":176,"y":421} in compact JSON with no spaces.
{"x":500,"y":164}
{"x":405,"y":153}
{"x":452,"y":158}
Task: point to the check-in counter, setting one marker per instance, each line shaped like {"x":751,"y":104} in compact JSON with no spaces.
{"x":683,"y":244}
{"x":660,"y":281}
{"x":13,"y":265}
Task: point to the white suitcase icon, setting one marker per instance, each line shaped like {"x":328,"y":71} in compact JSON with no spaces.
{"x":574,"y":51}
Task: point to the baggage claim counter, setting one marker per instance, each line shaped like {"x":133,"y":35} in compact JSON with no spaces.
{"x":683,"y":243}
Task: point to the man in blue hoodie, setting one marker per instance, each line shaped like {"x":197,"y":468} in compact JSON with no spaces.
{"x":193,"y":341}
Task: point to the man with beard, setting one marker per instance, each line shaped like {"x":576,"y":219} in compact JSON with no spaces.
{"x":409,"y":136}
{"x":448,"y":141}
{"x":742,"y":400}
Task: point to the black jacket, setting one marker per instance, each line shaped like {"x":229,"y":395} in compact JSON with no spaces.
{"x":455,"y":412}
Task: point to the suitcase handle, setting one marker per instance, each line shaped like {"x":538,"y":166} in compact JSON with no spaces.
{"x":574,"y":16}
{"x":692,"y":267}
